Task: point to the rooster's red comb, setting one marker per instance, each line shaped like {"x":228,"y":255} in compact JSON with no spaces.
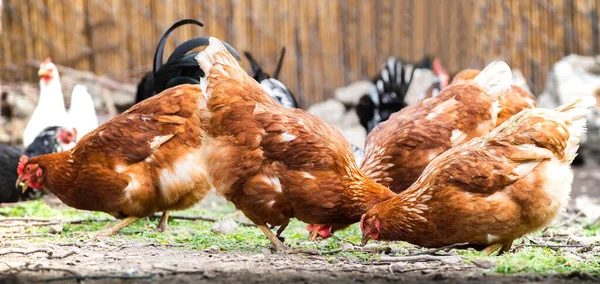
{"x":22,"y":162}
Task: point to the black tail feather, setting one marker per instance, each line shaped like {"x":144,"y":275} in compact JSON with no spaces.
{"x":279,"y":64}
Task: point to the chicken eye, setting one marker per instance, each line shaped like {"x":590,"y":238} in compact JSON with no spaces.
{"x":29,"y":168}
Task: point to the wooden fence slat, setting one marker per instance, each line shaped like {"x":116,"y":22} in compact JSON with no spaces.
{"x":329,"y":43}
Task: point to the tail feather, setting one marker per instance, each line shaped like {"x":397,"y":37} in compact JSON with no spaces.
{"x":216,"y":58}
{"x":574,"y":114}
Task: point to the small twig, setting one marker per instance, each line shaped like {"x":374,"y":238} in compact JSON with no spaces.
{"x":70,"y":253}
{"x":21,"y":236}
{"x":345,"y":240}
{"x":47,"y":222}
{"x":81,"y":278}
{"x":17,"y":270}
{"x":179,"y":271}
{"x":558,"y":245}
{"x":11,"y":251}
{"x":201,"y":218}
{"x":24,"y":219}
{"x":434,"y":251}
{"x":414,"y":258}
{"x":333,"y":251}
{"x":304,"y":250}
{"x":68,"y":245}
{"x":48,"y":252}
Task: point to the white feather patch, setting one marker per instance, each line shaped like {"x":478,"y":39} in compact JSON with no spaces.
{"x":495,"y":78}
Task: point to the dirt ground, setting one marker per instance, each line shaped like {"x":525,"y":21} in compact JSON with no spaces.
{"x":124,"y":262}
{"x":118,"y":260}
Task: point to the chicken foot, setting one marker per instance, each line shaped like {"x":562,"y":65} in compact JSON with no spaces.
{"x":278,"y":244}
{"x":504,"y":248}
{"x":118,"y":226}
{"x":275,"y":241}
{"x":163,"y":223}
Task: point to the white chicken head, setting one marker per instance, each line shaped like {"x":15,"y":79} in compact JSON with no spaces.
{"x":48,"y":71}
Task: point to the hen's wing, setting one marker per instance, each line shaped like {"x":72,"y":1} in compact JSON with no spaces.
{"x":134,"y":135}
{"x":511,"y":151}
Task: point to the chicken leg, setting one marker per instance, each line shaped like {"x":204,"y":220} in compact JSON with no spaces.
{"x":280,"y":230}
{"x":118,"y":226}
{"x":163,"y":223}
{"x":274,"y":240}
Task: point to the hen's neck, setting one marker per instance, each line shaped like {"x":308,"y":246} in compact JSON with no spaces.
{"x":364,"y":193}
{"x":58,"y":170}
{"x":51,"y":94}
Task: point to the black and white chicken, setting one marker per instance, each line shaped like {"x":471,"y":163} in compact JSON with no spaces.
{"x":271,"y":84}
{"x":390,"y":88}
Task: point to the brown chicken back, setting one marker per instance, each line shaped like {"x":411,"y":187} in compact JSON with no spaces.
{"x":490,"y":190}
{"x":398,"y":150}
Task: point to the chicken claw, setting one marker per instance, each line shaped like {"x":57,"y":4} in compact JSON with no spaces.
{"x":504,"y":248}
{"x":163,"y":223}
{"x":117,"y":227}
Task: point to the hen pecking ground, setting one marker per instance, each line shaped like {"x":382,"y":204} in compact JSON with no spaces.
{"x":34,"y":247}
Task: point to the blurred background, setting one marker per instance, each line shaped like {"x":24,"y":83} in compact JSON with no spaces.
{"x":329,"y":44}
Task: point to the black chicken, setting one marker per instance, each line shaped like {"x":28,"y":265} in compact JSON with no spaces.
{"x":180,"y":67}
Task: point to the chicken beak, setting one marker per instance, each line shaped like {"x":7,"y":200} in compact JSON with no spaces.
{"x":23,"y":184}
{"x":313,"y":235}
{"x":365,"y":239}
{"x":43,"y":72}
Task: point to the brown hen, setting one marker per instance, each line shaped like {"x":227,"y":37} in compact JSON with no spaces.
{"x":490,"y":190}
{"x":275,"y":163}
{"x":398,"y":150}
{"x":140,"y":162}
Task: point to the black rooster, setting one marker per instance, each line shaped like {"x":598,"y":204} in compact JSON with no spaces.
{"x":180,"y":67}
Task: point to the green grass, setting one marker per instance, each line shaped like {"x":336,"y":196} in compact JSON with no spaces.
{"x":190,"y":234}
{"x":197,"y":235}
{"x":537,"y":260}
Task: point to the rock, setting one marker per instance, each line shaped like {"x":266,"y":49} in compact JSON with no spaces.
{"x":572,"y":77}
{"x":212,"y":249}
{"x":350,"y":95}
{"x":485,"y":264}
{"x":331,"y":111}
{"x":225,"y":227}
{"x":589,"y":206}
{"x":258,"y":257}
{"x":55,"y":229}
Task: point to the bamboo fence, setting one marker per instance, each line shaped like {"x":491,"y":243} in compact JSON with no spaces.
{"x":330,"y":43}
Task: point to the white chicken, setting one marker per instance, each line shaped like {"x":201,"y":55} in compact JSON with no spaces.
{"x":82,"y":112}
{"x":50,"y":110}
